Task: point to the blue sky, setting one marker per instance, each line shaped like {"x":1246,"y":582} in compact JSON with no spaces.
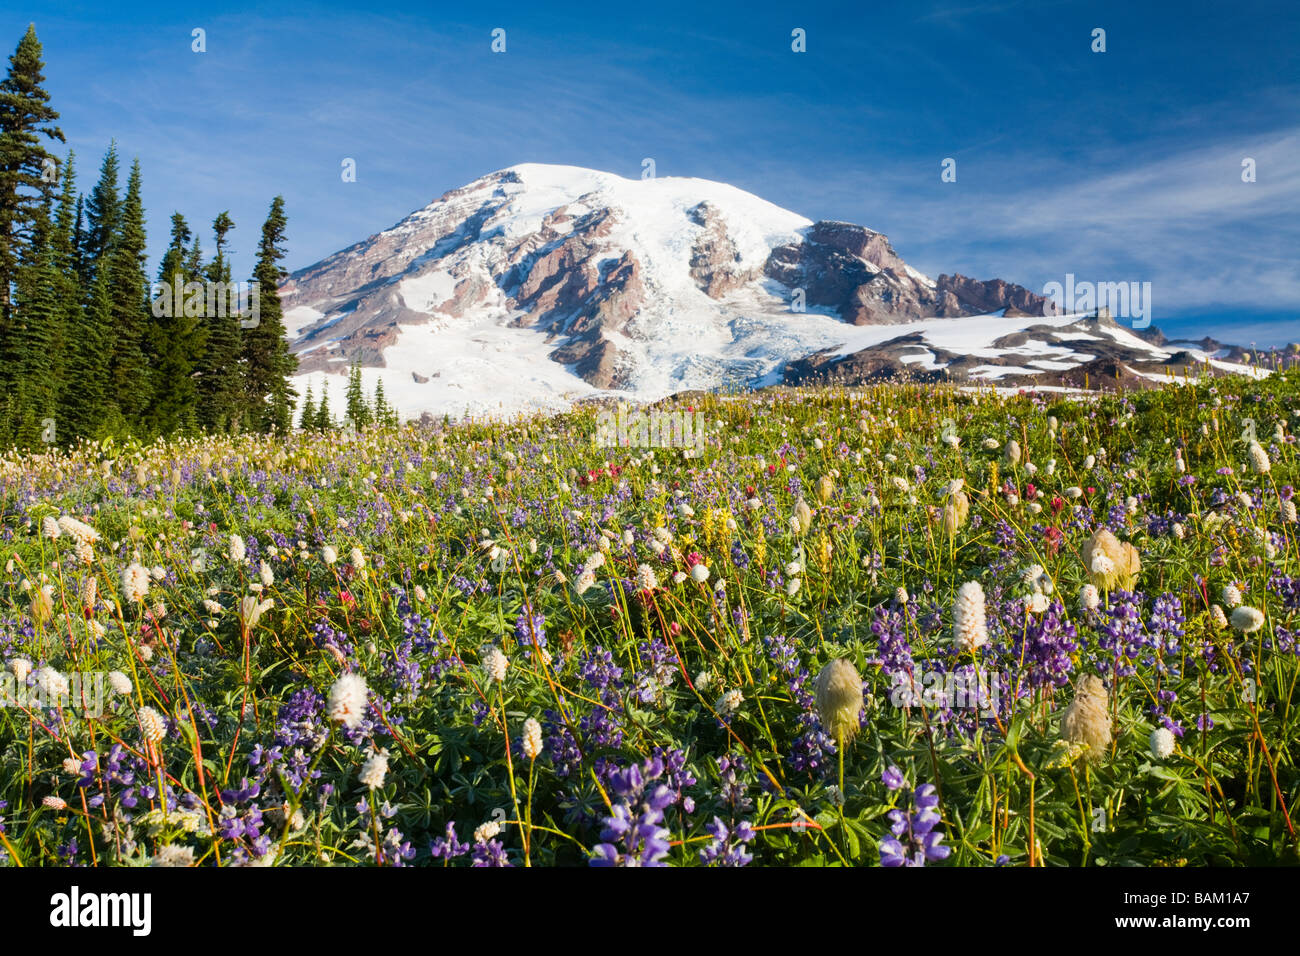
{"x":1115,"y":166}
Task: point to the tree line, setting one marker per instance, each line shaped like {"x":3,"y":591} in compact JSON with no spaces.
{"x":358,"y":413}
{"x":88,"y":348}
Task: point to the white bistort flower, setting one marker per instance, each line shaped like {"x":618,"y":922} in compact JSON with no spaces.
{"x":52,"y":684}
{"x":1161,"y":743}
{"x":119,"y":682}
{"x":79,"y":530}
{"x":1259,"y":461}
{"x":969,"y":624}
{"x":135,"y":582}
{"x":729,"y":702}
{"x":532,"y":742}
{"x":251,"y":610}
{"x":374,"y":769}
{"x":496,"y":663}
{"x":1089,"y":598}
{"x":645,"y":578}
{"x":173,"y":855}
{"x":347,"y":700}
{"x":152,"y":727}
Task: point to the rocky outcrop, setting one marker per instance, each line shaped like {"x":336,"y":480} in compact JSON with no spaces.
{"x":715,"y":261}
{"x":994,"y":295}
{"x":855,"y":270}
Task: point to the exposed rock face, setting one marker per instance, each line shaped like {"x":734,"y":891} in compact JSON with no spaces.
{"x":995,"y":295}
{"x":855,"y":270}
{"x":715,"y":260}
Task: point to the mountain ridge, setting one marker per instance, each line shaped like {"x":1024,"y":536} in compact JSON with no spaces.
{"x":537,"y":285}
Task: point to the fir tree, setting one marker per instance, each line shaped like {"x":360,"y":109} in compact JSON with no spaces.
{"x":308,"y":420}
{"x":384,"y":413}
{"x":84,"y":407}
{"x":129,"y":313}
{"x":68,"y":293}
{"x":176,"y":339}
{"x":28,"y":173}
{"x":36,"y":331}
{"x":358,"y":412}
{"x":220,"y":378}
{"x":103,"y":213}
{"x":268,"y":363}
{"x":324,"y":420}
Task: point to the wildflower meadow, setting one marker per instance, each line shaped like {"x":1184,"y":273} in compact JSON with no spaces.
{"x":900,"y":625}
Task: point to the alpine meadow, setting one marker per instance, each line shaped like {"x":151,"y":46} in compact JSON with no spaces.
{"x":618,"y":519}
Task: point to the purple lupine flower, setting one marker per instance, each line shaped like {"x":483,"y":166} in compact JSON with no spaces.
{"x":728,"y":845}
{"x":634,"y":834}
{"x":490,"y":854}
{"x":448,"y":847}
{"x":915,"y":839}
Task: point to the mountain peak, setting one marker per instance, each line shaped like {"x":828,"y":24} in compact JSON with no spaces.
{"x":539,"y":284}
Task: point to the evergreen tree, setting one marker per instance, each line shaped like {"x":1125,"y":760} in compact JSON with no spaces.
{"x":103,"y":213}
{"x":220,"y":378}
{"x":194,"y":260}
{"x":85,"y":406}
{"x":268,"y":363}
{"x":384,"y":413}
{"x":67,"y":282}
{"x":28,"y":173}
{"x":27,"y":177}
{"x":358,"y":412}
{"x":79,"y":239}
{"x":308,"y":420}
{"x":324,"y":420}
{"x":36,"y":332}
{"x":176,"y":340}
{"x":129,"y":314}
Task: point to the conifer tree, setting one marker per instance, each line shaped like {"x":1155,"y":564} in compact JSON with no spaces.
{"x":37,"y":323}
{"x":103,"y":212}
{"x":308,"y":420}
{"x":28,"y":173}
{"x":384,"y":413}
{"x":176,"y":339}
{"x":220,"y":380}
{"x":85,"y":405}
{"x":324,"y":420}
{"x":268,"y":363}
{"x":69,"y":292}
{"x":129,"y":314}
{"x":358,"y":412}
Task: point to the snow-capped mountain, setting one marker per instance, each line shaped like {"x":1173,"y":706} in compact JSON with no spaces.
{"x":538,"y":285}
